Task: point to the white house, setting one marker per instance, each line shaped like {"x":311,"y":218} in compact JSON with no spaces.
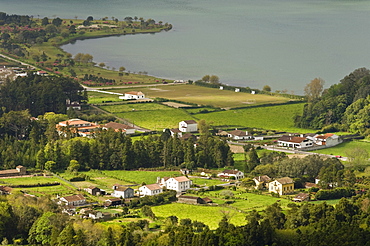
{"x":262,"y":180}
{"x":132,"y":95}
{"x":82,"y":127}
{"x":178,"y":184}
{"x":239,"y":135}
{"x":188,"y":126}
{"x":118,"y":127}
{"x":231,"y":173}
{"x":328,"y":139}
{"x":124,"y":192}
{"x":74,"y":200}
{"x":176,"y":132}
{"x":150,"y":190}
{"x":294,"y":142}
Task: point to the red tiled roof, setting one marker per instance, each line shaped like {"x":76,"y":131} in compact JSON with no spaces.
{"x":153,"y":186}
{"x":181,"y":179}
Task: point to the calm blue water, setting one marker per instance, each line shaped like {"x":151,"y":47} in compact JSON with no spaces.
{"x":281,"y":43}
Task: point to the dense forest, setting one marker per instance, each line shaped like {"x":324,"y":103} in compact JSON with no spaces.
{"x":344,"y":106}
{"x":37,"y":221}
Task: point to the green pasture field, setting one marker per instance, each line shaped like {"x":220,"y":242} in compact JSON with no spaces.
{"x":206,"y":182}
{"x":343,"y":148}
{"x":98,"y":97}
{"x":5,"y":62}
{"x":30,"y":180}
{"x":138,"y":177}
{"x":210,"y":215}
{"x":329,"y":202}
{"x":207,"y":96}
{"x":61,"y":190}
{"x":197,"y":110}
{"x":149,"y":115}
{"x":278,"y":118}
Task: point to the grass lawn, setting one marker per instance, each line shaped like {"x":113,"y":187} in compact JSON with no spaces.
{"x":149,"y":115}
{"x":206,"y":182}
{"x":138,"y":177}
{"x":210,"y":215}
{"x":278,"y":118}
{"x":207,"y":96}
{"x":343,"y":148}
{"x":30,"y":180}
{"x":61,"y":190}
{"x":97,"y":97}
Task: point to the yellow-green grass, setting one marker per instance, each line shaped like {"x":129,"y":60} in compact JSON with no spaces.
{"x":98,"y":97}
{"x":330,"y":202}
{"x":257,"y":202}
{"x":210,"y":215}
{"x":29,"y":180}
{"x":138,"y":177}
{"x":149,"y":115}
{"x":278,"y":118}
{"x":61,"y":190}
{"x":343,"y":148}
{"x":208,"y":96}
{"x":206,"y":182}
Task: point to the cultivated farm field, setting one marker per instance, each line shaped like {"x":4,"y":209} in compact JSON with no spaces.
{"x":149,"y":115}
{"x":343,"y":148}
{"x":206,"y":96}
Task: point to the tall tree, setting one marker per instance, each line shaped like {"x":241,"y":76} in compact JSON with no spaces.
{"x":314,"y":89}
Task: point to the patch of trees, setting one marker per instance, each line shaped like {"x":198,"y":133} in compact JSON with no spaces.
{"x":335,"y":193}
{"x":343,"y":106}
{"x":17,"y":19}
{"x":39,"y":94}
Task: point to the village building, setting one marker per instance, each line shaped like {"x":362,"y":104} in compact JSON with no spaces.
{"x":262,"y":181}
{"x":227,"y":173}
{"x":178,"y":184}
{"x":118,"y":127}
{"x":113,"y":202}
{"x":328,"y":139}
{"x":96,"y":215}
{"x":95,"y":191}
{"x":301,"y":197}
{"x":282,"y":186}
{"x":190,"y":200}
{"x":75,"y":200}
{"x":73,"y":105}
{"x":294,"y":142}
{"x":18,"y":171}
{"x":239,"y":135}
{"x":187,"y":136}
{"x":175,"y":132}
{"x":132,"y":95}
{"x":188,"y":126}
{"x":124,"y":192}
{"x":77,"y":126}
{"x":150,"y":190}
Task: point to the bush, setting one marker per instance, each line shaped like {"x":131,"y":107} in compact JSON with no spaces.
{"x":335,"y":194}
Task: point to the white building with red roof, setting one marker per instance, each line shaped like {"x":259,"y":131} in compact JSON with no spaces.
{"x":294,"y":142}
{"x":328,"y":139}
{"x":231,"y":173}
{"x":75,"y":200}
{"x":82,"y":127}
{"x":178,"y":184}
{"x":188,"y":126}
{"x":133,"y":95}
{"x":118,"y":127}
{"x":150,"y":190}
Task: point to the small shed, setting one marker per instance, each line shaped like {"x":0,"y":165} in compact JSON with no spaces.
{"x":302,"y":197}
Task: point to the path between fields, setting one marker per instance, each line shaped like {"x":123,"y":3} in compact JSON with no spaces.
{"x":138,"y":128}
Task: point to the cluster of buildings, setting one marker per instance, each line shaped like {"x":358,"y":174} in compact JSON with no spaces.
{"x":309,"y":140}
{"x":86,"y":129}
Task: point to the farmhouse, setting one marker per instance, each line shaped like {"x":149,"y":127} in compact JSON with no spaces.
{"x":75,"y":200}
{"x":188,"y":126}
{"x":176,"y":132}
{"x":132,"y":95}
{"x":239,"y":135}
{"x":262,"y":181}
{"x":73,"y":105}
{"x":124,"y":192}
{"x":18,"y":171}
{"x":294,"y":142}
{"x":282,"y":186}
{"x":190,"y":200}
{"x":113,"y":202}
{"x":81,"y":127}
{"x":327,"y":139}
{"x":118,"y":127}
{"x":227,"y":173}
{"x":150,"y":190}
{"x":178,"y":184}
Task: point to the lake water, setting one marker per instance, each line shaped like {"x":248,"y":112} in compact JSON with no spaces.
{"x":281,"y":43}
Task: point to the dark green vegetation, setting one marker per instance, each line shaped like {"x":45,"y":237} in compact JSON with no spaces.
{"x":37,"y":221}
{"x":344,"y":106}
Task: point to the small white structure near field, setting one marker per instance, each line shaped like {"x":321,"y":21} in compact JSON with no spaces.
{"x":132,"y":95}
{"x":231,"y":173}
{"x":150,"y":190}
{"x":122,"y":191}
{"x":118,"y":127}
{"x":239,"y":135}
{"x":294,"y":142}
{"x":188,"y":126}
{"x":74,"y":200}
{"x":237,"y":90}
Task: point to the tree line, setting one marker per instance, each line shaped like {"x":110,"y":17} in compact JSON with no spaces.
{"x":343,"y":106}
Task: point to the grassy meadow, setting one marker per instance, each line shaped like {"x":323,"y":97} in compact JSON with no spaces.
{"x":343,"y":148}
{"x":207,"y":96}
{"x":149,"y":115}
